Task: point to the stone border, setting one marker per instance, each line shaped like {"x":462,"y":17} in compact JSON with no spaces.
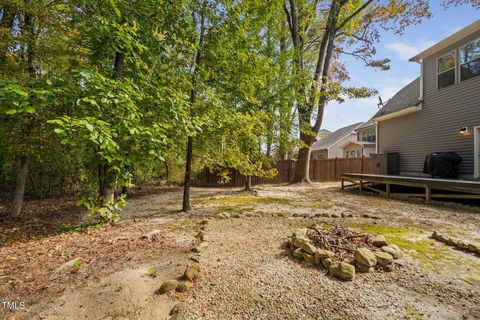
{"x":365,"y":260}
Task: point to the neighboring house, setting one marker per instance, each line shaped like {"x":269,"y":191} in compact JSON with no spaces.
{"x":440,"y":110}
{"x":331,"y":147}
{"x":365,"y":144}
{"x":323,"y":134}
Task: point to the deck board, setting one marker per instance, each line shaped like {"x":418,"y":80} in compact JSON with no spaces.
{"x":465,"y":186}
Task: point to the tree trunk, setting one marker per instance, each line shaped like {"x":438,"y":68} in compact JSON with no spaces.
{"x":106,"y":176}
{"x":166,"y":170}
{"x":314,"y":100}
{"x":188,"y":171}
{"x":248,"y":183}
{"x":106,"y":189}
{"x":24,"y":166}
{"x":193,"y":99}
{"x":20,"y":186}
{"x":302,"y":167}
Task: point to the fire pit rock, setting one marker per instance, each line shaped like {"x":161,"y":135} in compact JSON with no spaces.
{"x":341,"y":250}
{"x":364,"y":260}
{"x":342,"y":270}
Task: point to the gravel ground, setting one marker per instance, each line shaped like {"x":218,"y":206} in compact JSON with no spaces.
{"x":247,"y":273}
{"x":249,"y":276}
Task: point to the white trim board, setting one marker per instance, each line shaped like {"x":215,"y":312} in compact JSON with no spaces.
{"x":399,"y":113}
{"x":476,"y":152}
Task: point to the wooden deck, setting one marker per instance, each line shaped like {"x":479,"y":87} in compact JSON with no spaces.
{"x":465,"y":189}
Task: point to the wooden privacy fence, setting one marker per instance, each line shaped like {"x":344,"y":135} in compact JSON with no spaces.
{"x":320,"y":171}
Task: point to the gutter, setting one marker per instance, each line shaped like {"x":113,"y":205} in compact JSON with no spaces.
{"x":399,"y":113}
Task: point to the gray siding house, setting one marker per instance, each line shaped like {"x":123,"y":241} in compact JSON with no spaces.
{"x":440,"y":110}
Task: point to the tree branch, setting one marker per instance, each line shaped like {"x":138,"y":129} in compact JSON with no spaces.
{"x":353,"y":15}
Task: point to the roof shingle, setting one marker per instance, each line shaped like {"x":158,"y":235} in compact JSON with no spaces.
{"x":408,"y":96}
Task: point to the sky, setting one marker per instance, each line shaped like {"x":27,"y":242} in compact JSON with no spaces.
{"x":399,"y":49}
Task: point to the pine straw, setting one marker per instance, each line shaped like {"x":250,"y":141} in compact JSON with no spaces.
{"x":341,"y":241}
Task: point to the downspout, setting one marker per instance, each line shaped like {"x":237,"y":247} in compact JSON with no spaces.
{"x":421,"y":80}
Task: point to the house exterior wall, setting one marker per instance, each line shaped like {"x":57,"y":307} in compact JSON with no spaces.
{"x":368,"y":150}
{"x":319,"y":154}
{"x":335,"y":151}
{"x":352,"y":147}
{"x":436,"y":127}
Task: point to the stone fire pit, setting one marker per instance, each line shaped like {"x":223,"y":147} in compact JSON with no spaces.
{"x":342,"y":251}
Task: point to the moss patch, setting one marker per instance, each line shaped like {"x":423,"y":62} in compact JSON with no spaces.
{"x":320,"y":205}
{"x":432,"y":255}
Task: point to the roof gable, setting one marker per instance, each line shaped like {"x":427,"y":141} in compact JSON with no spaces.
{"x":335,"y":137}
{"x":408,"y":96}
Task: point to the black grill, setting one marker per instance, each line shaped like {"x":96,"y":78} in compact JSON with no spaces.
{"x":442,"y":164}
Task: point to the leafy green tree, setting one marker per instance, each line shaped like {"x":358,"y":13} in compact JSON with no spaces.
{"x":36,"y":50}
{"x":320,"y":32}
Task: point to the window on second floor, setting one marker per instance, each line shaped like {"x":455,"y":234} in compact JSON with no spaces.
{"x":469,"y":56}
{"x":446,"y":70}
{"x":368,"y":136}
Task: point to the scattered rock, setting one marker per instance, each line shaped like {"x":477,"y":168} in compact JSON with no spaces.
{"x":183,"y":286}
{"x":365,"y":257}
{"x":393,"y":250}
{"x":384,"y":258}
{"x":342,"y":270}
{"x":298,"y":253}
{"x":236,"y":215}
{"x":299,"y":241}
{"x":193,"y":272}
{"x":309,"y":258}
{"x":388,"y":267}
{"x":370,"y":216}
{"x":323,"y":254}
{"x":334,"y":215}
{"x":379,"y":241}
{"x":201,"y":247}
{"x":308,"y":248}
{"x":363,"y":268}
{"x":201,"y":235}
{"x":178,"y":311}
{"x":327,"y":263}
{"x":301,"y":232}
{"x":456,"y":243}
{"x":167,"y":286}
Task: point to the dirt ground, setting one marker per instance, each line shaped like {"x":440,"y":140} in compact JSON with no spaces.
{"x":247,"y":272}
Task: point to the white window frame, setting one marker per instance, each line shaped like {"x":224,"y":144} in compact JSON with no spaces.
{"x":455,"y":66}
{"x":460,"y":64}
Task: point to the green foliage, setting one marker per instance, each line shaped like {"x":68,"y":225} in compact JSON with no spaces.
{"x":153,"y":272}
{"x":105,"y":93}
{"x":78,"y":264}
{"x":63,"y":228}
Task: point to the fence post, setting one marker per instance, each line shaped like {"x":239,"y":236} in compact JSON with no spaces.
{"x":336,"y":167}
{"x":289,"y":171}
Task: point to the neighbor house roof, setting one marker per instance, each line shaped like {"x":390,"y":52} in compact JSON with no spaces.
{"x":323,"y":132}
{"x":408,"y":96}
{"x":465,"y":32}
{"x":358,"y":143}
{"x":335,"y":136}
{"x":367,"y":124}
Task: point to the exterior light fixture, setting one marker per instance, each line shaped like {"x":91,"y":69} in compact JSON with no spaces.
{"x":464,"y":131}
